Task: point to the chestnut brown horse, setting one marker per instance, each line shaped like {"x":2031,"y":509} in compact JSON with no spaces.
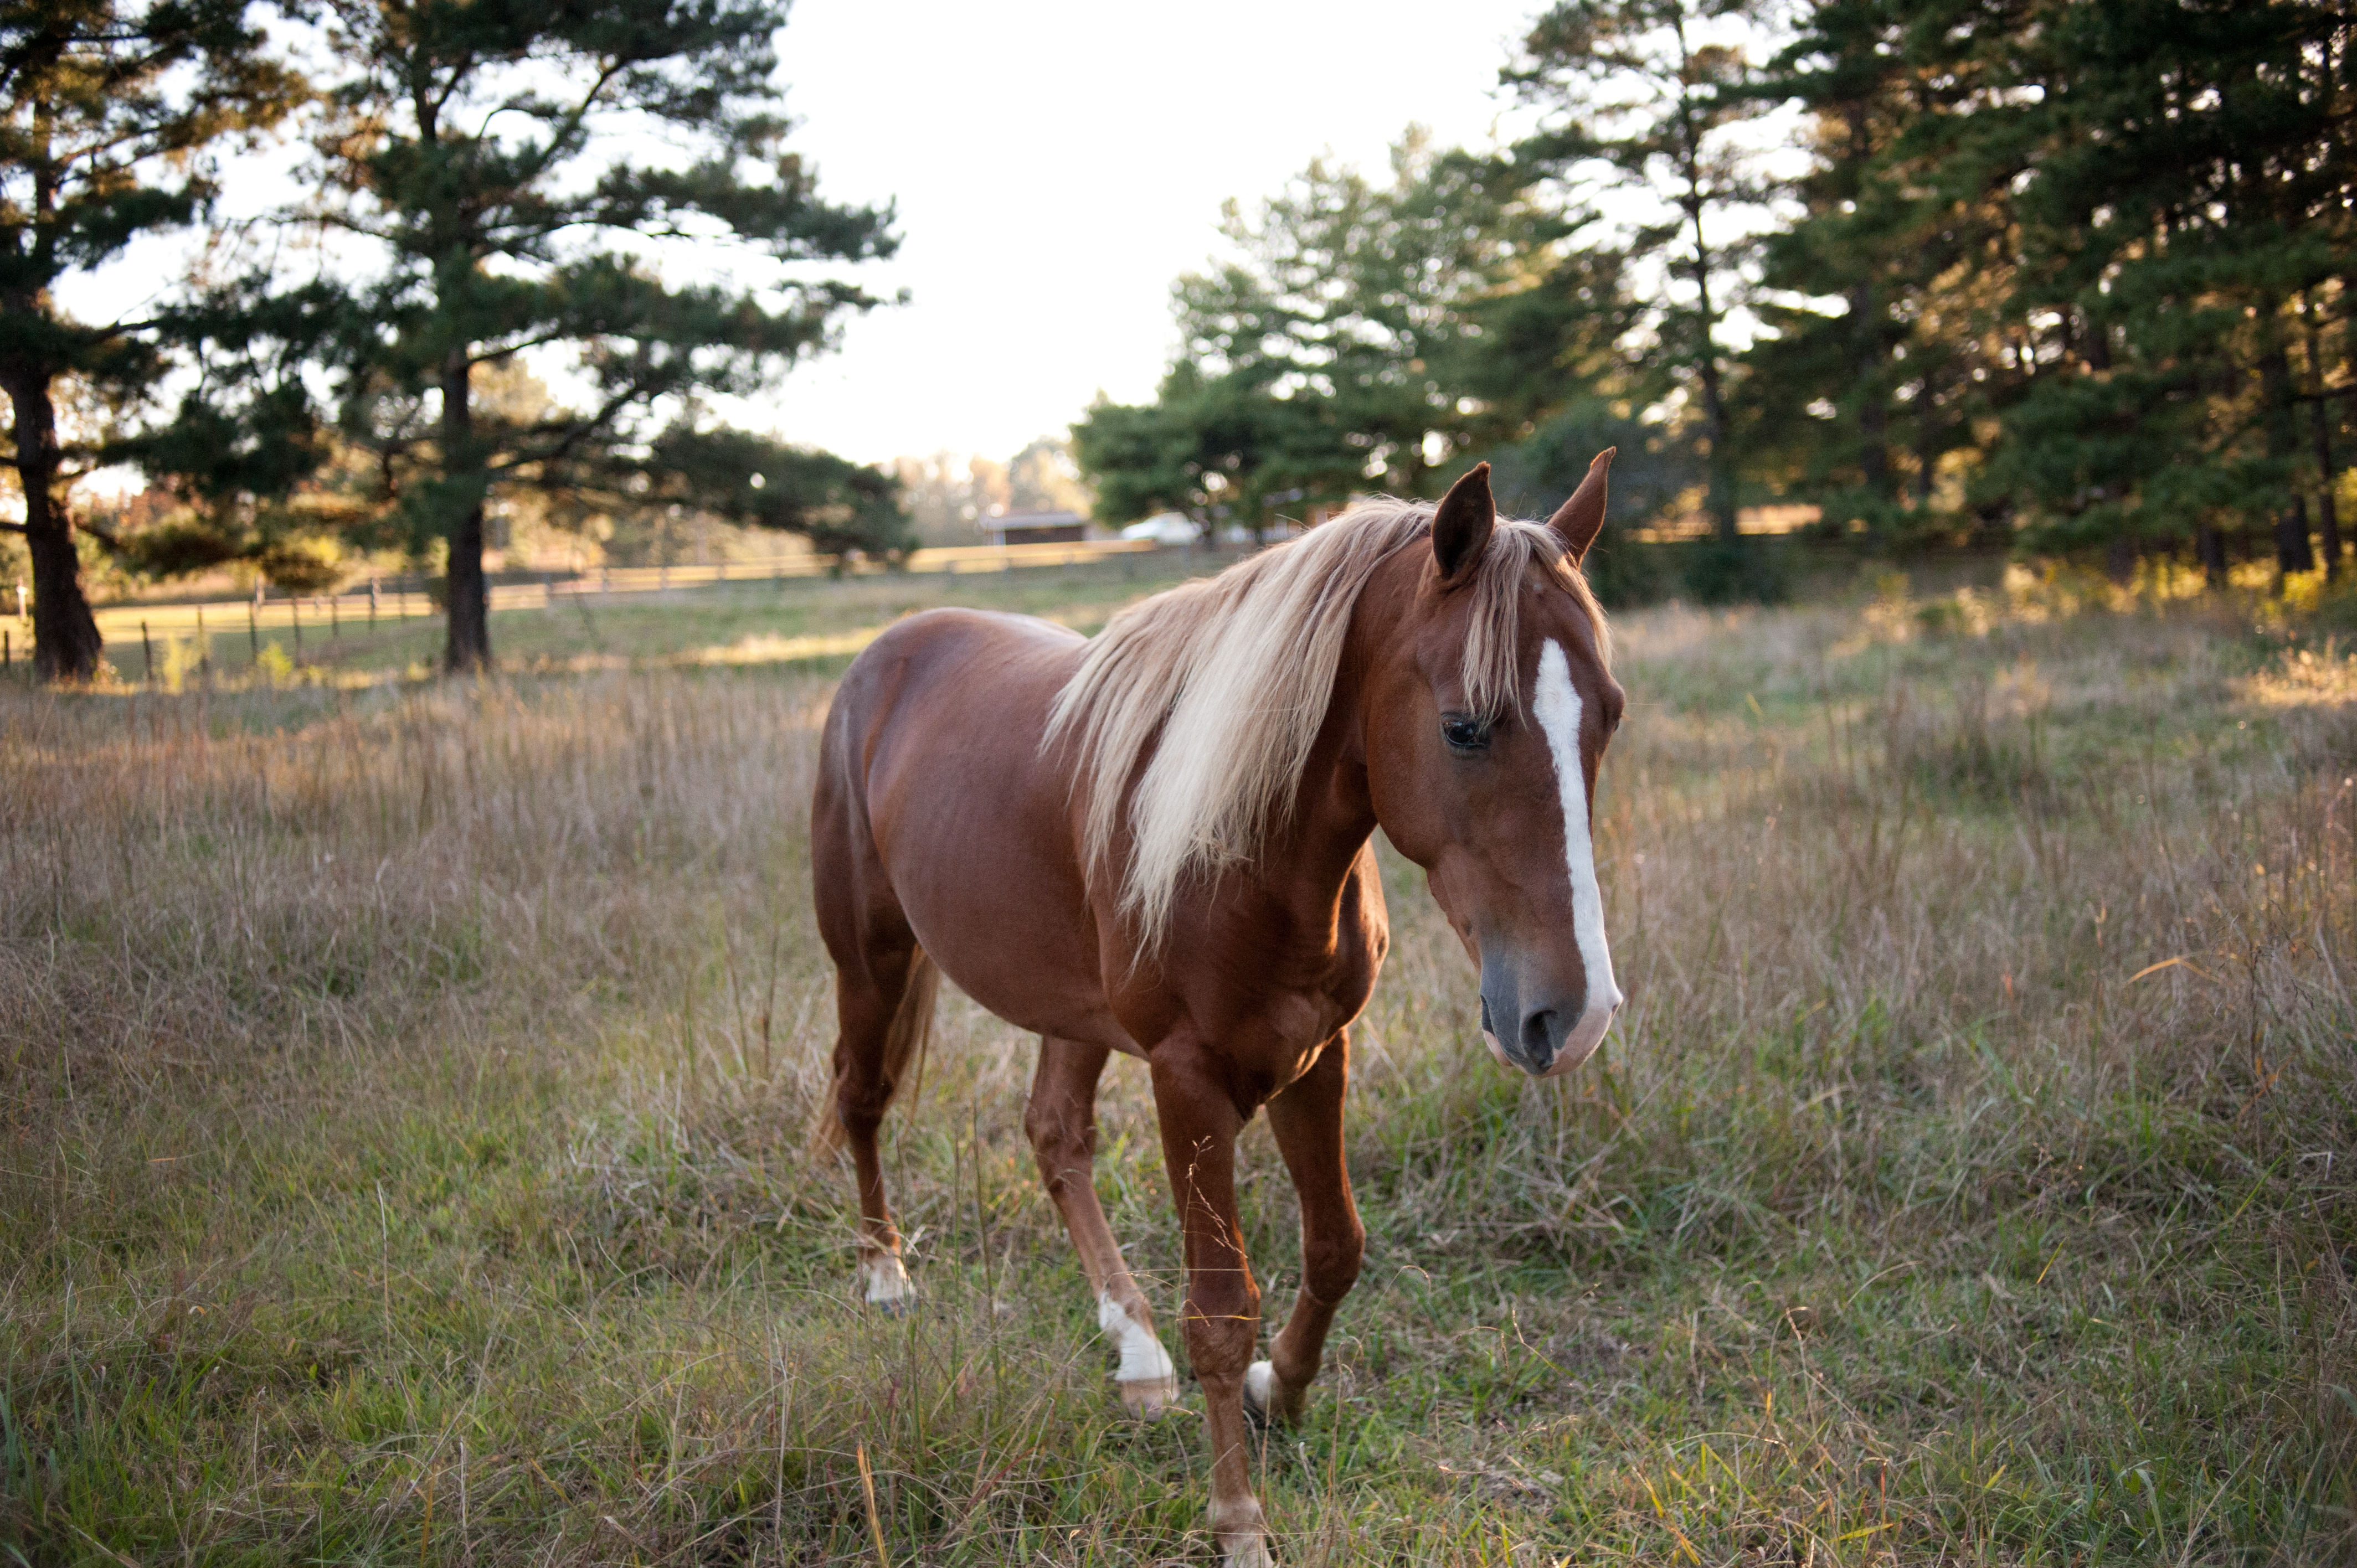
{"x":1158,"y":842}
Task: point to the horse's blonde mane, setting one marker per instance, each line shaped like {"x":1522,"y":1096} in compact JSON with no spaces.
{"x":1219,"y":687}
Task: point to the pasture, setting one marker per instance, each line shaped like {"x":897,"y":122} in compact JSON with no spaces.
{"x":408,"y":1087}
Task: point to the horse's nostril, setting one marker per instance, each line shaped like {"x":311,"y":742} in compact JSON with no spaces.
{"x":1538,"y":1038}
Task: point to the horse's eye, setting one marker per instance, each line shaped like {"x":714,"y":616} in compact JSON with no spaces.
{"x":1464,"y":732}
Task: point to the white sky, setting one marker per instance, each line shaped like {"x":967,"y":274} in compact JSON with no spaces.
{"x":1058,"y":163}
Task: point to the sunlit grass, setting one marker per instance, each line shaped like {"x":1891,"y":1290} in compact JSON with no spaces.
{"x":408,"y":1087}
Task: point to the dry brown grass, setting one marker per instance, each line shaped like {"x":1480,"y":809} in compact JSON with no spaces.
{"x":404,"y":1092}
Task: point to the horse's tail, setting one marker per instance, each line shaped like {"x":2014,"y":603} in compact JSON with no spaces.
{"x":904,"y":1044}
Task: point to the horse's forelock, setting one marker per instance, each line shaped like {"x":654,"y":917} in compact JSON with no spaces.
{"x":1218,"y":688}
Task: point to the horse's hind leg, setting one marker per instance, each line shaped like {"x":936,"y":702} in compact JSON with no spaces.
{"x":886,"y":1008}
{"x":1063,"y":1122}
{"x":1307,"y":1121}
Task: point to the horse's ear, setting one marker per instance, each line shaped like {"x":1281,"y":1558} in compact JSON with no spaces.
{"x":1577,"y":523}
{"x":1461,"y":525}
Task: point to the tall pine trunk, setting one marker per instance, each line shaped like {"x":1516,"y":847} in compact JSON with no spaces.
{"x":1721,"y":501}
{"x":469,"y":651}
{"x":66,"y":644}
{"x":2292,"y":552}
{"x":2327,"y":510}
{"x":1867,"y":354}
{"x":2210,"y":550}
{"x":1872,"y":410}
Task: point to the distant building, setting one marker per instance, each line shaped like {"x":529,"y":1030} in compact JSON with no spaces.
{"x":1035,"y":527}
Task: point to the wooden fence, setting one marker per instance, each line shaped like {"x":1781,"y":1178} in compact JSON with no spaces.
{"x":122,"y":624}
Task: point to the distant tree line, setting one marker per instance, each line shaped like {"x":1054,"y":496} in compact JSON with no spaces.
{"x":600,"y":188}
{"x":2071,"y":274}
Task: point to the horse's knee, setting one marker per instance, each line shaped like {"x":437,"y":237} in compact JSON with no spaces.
{"x":1221,"y":1322}
{"x":1329,"y":1263}
{"x":860,"y":1107}
{"x":1060,"y":1136}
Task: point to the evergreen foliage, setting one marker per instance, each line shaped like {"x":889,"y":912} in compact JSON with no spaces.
{"x":1364,"y":337}
{"x":2068,"y":274}
{"x":490,"y":158}
{"x":110,"y":116}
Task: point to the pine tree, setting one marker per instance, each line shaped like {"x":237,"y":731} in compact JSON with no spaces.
{"x":1640,"y":97}
{"x":1830,"y":386}
{"x":1372,"y":335}
{"x":491,"y":157}
{"x":110,"y":114}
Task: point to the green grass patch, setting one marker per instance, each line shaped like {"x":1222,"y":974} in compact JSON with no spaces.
{"x":408,"y":1088}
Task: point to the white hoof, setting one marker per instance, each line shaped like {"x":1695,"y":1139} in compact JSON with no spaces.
{"x":1259,"y":1387}
{"x":1148,"y":1398}
{"x":1244,"y":1540}
{"x":884,"y":1283}
{"x":1251,"y":1552}
{"x":1146,"y":1379}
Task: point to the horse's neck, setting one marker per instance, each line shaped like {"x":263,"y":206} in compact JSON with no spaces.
{"x":1333,"y":812}
{"x":1334,"y":806}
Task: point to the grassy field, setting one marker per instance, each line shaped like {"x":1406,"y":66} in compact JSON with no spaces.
{"x":407,"y":1088}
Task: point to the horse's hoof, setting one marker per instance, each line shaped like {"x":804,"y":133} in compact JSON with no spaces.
{"x":1148,"y":1398}
{"x":886,"y":1286}
{"x":1243,"y":1533}
{"x":1246,"y":1551}
{"x":1260,"y":1386}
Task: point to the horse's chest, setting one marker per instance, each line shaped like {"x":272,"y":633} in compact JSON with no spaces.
{"x":1305,"y":1020}
{"x":1307,"y":1007}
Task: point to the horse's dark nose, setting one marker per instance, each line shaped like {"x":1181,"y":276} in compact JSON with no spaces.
{"x":1549,"y":1027}
{"x":1542,"y":1036}
{"x":1537,"y":1034}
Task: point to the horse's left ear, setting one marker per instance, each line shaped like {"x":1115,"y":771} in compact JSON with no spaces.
{"x":1581,"y":518}
{"x":1461,"y":525}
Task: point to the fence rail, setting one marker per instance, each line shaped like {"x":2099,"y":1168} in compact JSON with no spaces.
{"x":322,"y":611}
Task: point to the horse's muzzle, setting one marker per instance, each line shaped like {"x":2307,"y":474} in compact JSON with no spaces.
{"x":1548,"y":1035}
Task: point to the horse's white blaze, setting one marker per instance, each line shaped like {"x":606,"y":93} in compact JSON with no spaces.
{"x":1142,"y":1359}
{"x":1558,"y":709}
{"x":886,"y":1282}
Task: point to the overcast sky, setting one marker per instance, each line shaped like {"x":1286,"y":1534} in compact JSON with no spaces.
{"x":1057,"y":164}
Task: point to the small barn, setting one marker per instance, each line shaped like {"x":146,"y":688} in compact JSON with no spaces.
{"x":1035,"y":527}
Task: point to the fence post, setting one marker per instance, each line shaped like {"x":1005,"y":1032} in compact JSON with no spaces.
{"x":147,"y":647}
{"x":334,"y":622}
{"x":204,"y":647}
{"x":371,"y":607}
{"x":253,"y":628}
{"x":295,"y":608}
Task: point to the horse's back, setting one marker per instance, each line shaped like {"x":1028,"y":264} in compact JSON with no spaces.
{"x":938,"y":809}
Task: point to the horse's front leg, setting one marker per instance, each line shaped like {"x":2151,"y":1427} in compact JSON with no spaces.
{"x":1307,"y":1121}
{"x":1063,"y":1125}
{"x":1221,"y":1319}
